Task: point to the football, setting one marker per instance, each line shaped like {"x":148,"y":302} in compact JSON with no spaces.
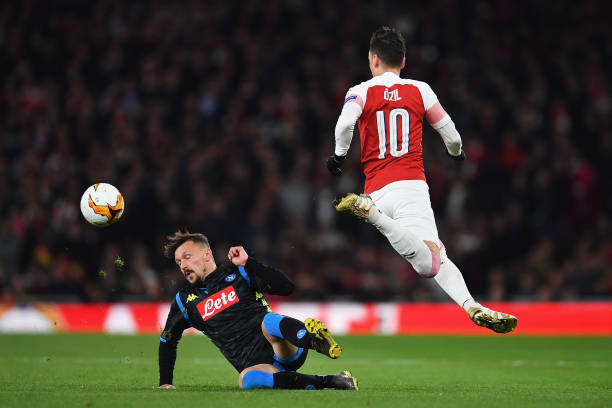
{"x":102,"y":204}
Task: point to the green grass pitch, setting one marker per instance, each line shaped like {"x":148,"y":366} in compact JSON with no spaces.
{"x":501,"y":371}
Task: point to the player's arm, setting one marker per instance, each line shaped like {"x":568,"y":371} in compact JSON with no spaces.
{"x":351,"y":111}
{"x":442,"y":123}
{"x":261,"y":277}
{"x":268,"y":279}
{"x":168,"y":343}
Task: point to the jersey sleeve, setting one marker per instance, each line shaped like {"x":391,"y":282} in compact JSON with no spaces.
{"x":434,"y":113}
{"x":357,"y":95}
{"x":168,"y":343}
{"x":428,"y":95}
{"x":440,"y":120}
{"x":354,"y":103}
{"x":266,"y":278}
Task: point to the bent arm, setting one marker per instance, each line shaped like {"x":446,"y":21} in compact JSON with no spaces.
{"x":451,"y":138}
{"x":267,"y":279}
{"x":444,"y":125}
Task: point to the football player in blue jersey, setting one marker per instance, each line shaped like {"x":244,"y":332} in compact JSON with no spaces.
{"x":226,"y":302}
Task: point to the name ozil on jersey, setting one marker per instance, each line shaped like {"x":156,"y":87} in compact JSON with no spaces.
{"x":392,"y":95}
{"x":217,"y":302}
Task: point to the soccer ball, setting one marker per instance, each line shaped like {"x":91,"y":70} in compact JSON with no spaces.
{"x":102,"y":204}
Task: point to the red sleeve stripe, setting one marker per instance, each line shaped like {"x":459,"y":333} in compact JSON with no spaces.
{"x":435,"y":113}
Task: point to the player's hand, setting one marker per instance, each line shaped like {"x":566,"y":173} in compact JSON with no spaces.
{"x":166,"y":387}
{"x":237,"y":256}
{"x":460,"y":157}
{"x":334,"y":163}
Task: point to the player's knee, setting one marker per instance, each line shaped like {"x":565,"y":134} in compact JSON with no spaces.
{"x":433,"y":271}
{"x":271,"y":325}
{"x":430,"y":263}
{"x":428,"y":270}
{"x":443,"y":255}
{"x":255,"y":379}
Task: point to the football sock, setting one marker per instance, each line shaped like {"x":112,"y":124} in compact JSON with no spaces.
{"x":257,"y":379}
{"x":405,"y":243}
{"x":288,"y":380}
{"x":288,"y":328}
{"x":297,"y":381}
{"x":451,"y":281}
{"x":295,"y":332}
{"x":271,"y":322}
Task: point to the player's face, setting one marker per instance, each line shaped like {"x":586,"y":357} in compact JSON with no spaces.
{"x":192,"y":260}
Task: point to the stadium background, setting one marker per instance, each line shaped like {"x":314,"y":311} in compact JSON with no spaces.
{"x":218,"y":116}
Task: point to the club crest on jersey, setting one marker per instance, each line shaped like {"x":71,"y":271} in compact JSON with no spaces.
{"x":217,"y":302}
{"x":392,"y":95}
{"x":230,"y":278}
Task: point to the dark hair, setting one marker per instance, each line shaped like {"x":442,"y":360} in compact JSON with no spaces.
{"x":389,"y":44}
{"x":179,"y":238}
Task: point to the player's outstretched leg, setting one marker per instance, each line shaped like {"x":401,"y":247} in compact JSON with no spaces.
{"x":424,"y":257}
{"x":427,"y":261}
{"x":497,"y":321}
{"x":291,"y":380}
{"x":451,"y":281}
{"x":311,"y":334}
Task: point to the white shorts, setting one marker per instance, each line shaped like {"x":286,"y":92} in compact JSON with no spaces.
{"x":408,"y":203}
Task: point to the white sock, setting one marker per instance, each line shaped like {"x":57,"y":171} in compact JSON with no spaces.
{"x":451,"y":281}
{"x":408,"y":245}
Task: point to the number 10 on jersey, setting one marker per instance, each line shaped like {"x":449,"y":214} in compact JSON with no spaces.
{"x":395,"y":116}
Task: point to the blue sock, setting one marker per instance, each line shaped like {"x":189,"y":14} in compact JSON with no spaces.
{"x":272,"y":324}
{"x":257,"y":379}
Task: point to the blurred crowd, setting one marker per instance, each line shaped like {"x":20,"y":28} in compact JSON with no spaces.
{"x":218,"y":116}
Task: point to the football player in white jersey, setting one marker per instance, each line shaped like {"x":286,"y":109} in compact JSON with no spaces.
{"x":389,"y":111}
